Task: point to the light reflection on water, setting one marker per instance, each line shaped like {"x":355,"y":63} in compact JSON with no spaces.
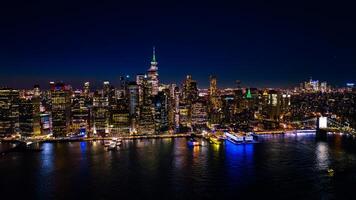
{"x":276,"y":165}
{"x":239,"y":158}
{"x":322,"y":155}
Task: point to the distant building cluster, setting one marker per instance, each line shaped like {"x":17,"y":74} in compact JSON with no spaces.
{"x":314,"y":86}
{"x":144,"y":106}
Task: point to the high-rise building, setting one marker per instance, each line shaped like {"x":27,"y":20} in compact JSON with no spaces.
{"x":29,"y":116}
{"x":140,"y":78}
{"x":80,"y":115}
{"x":46,"y":123}
{"x":146,"y":113}
{"x":109,"y":92}
{"x":100,"y":114}
{"x":160,"y":102}
{"x":86,"y":89}
{"x":199,"y":113}
{"x":215,"y":105}
{"x":188,"y":96}
{"x":61,"y":109}
{"x":133,"y":97}
{"x":184,"y":116}
{"x":152,"y":72}
{"x":189,"y":90}
{"x":120,"y":118}
{"x":9,"y":111}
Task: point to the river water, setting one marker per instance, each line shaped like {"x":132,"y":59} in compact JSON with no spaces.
{"x":278,"y":167}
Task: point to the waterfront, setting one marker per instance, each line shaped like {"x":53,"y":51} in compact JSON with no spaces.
{"x":279,"y":166}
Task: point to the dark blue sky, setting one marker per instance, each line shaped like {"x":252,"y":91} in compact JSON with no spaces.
{"x":260,"y":43}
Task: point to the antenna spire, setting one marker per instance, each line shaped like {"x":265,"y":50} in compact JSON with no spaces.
{"x":153,"y":54}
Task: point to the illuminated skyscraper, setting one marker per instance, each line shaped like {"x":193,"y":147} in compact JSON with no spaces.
{"x":213,"y":90}
{"x":9,"y":111}
{"x":215,"y":113}
{"x":80,"y":118}
{"x":86,"y":90}
{"x":153,"y":80}
{"x":188,"y":96}
{"x":139,"y":81}
{"x":160,"y":102}
{"x":119,"y":118}
{"x":199,"y":113}
{"x":61,"y":108}
{"x":146,"y":113}
{"x":133,"y":97}
{"x":100,"y":114}
{"x":29,"y":114}
{"x":190,"y":90}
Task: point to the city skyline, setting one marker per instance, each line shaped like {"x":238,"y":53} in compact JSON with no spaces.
{"x":177,"y":100}
{"x":96,"y":84}
{"x":83,"y":41}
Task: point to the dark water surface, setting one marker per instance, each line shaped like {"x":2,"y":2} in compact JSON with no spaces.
{"x":279,"y":167}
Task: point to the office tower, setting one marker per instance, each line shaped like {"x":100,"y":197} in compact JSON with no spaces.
{"x":184,"y":117}
{"x":60,"y":100}
{"x":106,"y":88}
{"x":153,"y":81}
{"x":175,"y":106}
{"x":323,"y":87}
{"x":109,"y":92}
{"x":188,"y":95}
{"x":213,"y":90}
{"x":146,"y":113}
{"x":36,"y":91}
{"x":80,"y":115}
{"x":228,"y":108}
{"x":285,"y":105}
{"x":139,"y":81}
{"x":215,"y":114}
{"x":86,"y":89}
{"x":46,"y":123}
{"x":199,"y":113}
{"x":189,"y":90}
{"x":160,"y":102}
{"x":133,"y":98}
{"x":52,"y":85}
{"x":100,"y":114}
{"x":9,"y":111}
{"x":273,"y":105}
{"x":122,"y":90}
{"x":120,"y":118}
{"x":29,"y":115}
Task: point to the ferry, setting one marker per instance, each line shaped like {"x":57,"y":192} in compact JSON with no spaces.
{"x":240,"y":138}
{"x":234,"y":138}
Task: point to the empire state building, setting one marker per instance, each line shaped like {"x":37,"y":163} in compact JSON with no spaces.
{"x":153,"y":75}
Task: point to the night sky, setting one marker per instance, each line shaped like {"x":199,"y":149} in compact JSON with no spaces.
{"x":260,"y":43}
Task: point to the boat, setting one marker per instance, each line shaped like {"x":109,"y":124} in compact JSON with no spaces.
{"x":241,"y":138}
{"x":234,"y":138}
{"x":214,"y":139}
{"x":193,"y":142}
{"x":112,"y":146}
{"x":249,"y":137}
{"x":29,"y":143}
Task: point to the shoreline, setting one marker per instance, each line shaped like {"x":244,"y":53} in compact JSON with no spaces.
{"x":88,"y":139}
